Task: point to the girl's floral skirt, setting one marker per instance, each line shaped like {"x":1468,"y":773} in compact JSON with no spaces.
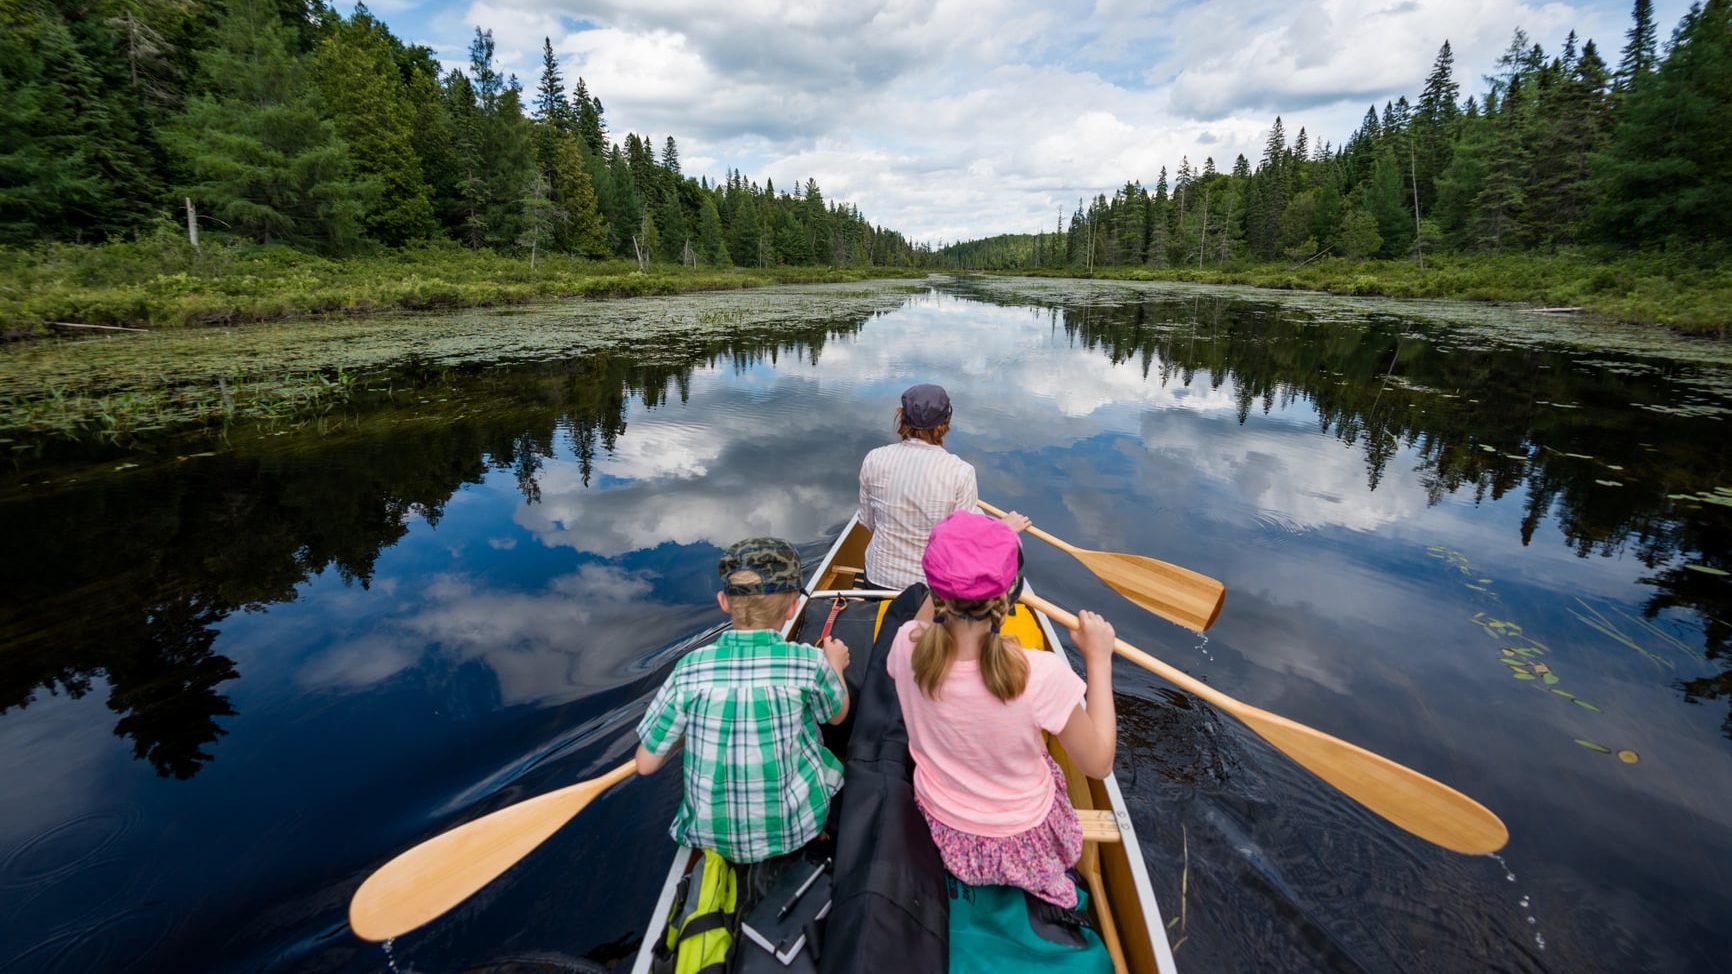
{"x":1035,"y":860}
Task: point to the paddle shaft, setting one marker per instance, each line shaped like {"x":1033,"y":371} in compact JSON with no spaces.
{"x":1421,"y":805}
{"x":1178,"y":595}
{"x":1058,"y":543}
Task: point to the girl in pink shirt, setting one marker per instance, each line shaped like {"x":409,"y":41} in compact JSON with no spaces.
{"x":975,"y":704}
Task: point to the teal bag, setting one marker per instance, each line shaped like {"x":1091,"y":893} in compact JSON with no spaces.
{"x":993,"y":929}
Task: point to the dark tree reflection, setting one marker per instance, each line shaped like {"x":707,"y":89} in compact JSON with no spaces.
{"x":123,"y":582}
{"x":1597,"y":442}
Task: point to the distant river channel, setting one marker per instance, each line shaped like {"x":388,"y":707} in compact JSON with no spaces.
{"x":241,"y":669}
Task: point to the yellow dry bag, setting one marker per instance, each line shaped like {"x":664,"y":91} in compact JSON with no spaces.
{"x":701,"y":924}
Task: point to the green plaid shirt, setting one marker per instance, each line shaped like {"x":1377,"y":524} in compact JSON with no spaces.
{"x":758,"y":779}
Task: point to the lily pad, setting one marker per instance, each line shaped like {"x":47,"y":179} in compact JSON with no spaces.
{"x":1708,"y":570}
{"x":1590,"y":745}
{"x":1608,"y":483}
{"x":1628,"y":756}
{"x":1522,"y":675}
{"x":1585,"y":705}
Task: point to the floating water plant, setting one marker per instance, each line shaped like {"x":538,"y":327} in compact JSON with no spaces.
{"x":1522,"y":654}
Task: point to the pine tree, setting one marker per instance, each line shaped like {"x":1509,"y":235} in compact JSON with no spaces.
{"x":1357,"y":238}
{"x":259,"y":155}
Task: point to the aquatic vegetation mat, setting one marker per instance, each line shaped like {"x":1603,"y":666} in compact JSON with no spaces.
{"x":125,"y":387}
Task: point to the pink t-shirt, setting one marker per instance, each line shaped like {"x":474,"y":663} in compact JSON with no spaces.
{"x":978,"y":764}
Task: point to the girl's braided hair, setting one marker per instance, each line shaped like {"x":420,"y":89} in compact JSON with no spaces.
{"x":1002,"y":665}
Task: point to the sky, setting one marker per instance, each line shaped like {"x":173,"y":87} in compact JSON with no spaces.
{"x":956,"y":119}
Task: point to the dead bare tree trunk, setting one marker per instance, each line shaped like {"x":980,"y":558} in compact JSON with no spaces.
{"x":1418,"y":235}
{"x":1203,"y":240}
{"x":191,"y":225}
{"x":642,"y":257}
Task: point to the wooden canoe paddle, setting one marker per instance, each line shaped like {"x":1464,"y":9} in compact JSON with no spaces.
{"x":1425,"y":807}
{"x":1176,"y":594}
{"x":421,"y":884}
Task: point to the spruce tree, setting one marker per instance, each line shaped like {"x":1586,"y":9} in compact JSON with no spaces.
{"x":468,"y":203}
{"x":1434,"y":124}
{"x":1501,"y":203}
{"x":581,"y":229}
{"x":1570,"y":131}
{"x":1640,"y":49}
{"x":590,"y":126}
{"x":1666,"y":175}
{"x":358,"y":76}
{"x":551,"y":107}
{"x":1387,"y":201}
{"x":712,"y":248}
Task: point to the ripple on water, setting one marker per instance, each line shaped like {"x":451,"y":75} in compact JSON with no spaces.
{"x":113,"y":943}
{"x":1276,"y":525}
{"x":60,"y":850}
{"x":97,"y":889}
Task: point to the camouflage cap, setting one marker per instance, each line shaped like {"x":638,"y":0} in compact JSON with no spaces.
{"x":773,"y":560}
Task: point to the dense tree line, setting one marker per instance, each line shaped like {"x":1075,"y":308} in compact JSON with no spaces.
{"x":1559,"y":150}
{"x":284,"y":122}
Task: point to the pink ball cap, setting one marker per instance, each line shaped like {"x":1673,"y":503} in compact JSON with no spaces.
{"x":970,"y":556}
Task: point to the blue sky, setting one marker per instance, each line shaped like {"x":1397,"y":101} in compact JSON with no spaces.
{"x":951,"y":120}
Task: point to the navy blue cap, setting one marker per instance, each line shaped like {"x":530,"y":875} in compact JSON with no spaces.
{"x":926,"y":406}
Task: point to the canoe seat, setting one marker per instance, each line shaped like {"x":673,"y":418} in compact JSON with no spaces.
{"x":1098,"y":825}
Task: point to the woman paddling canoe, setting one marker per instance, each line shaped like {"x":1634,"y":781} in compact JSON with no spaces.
{"x":907,"y":487}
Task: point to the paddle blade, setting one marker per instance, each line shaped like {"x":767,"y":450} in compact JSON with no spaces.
{"x":423,"y":883}
{"x":1429,"y":809}
{"x":1423,"y":806}
{"x":1176,"y":594}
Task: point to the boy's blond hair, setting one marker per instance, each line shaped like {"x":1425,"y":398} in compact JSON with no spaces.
{"x":758,"y":611}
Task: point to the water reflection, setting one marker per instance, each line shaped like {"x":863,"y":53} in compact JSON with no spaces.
{"x":345,"y":638}
{"x":1555,"y":425}
{"x":157,"y":560}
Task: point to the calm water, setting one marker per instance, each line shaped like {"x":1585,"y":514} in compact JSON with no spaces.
{"x":234,"y":684}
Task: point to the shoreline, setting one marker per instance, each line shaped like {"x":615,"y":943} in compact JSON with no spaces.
{"x":1695,"y":301}
{"x":69,"y":289}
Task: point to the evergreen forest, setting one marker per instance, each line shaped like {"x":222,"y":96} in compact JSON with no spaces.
{"x":1569,"y":152}
{"x":282,"y":122}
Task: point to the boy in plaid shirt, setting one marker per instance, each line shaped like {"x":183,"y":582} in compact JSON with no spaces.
{"x":758,"y":780}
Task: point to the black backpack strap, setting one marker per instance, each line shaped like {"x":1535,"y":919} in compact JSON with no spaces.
{"x":1056,"y":924}
{"x":697,"y":926}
